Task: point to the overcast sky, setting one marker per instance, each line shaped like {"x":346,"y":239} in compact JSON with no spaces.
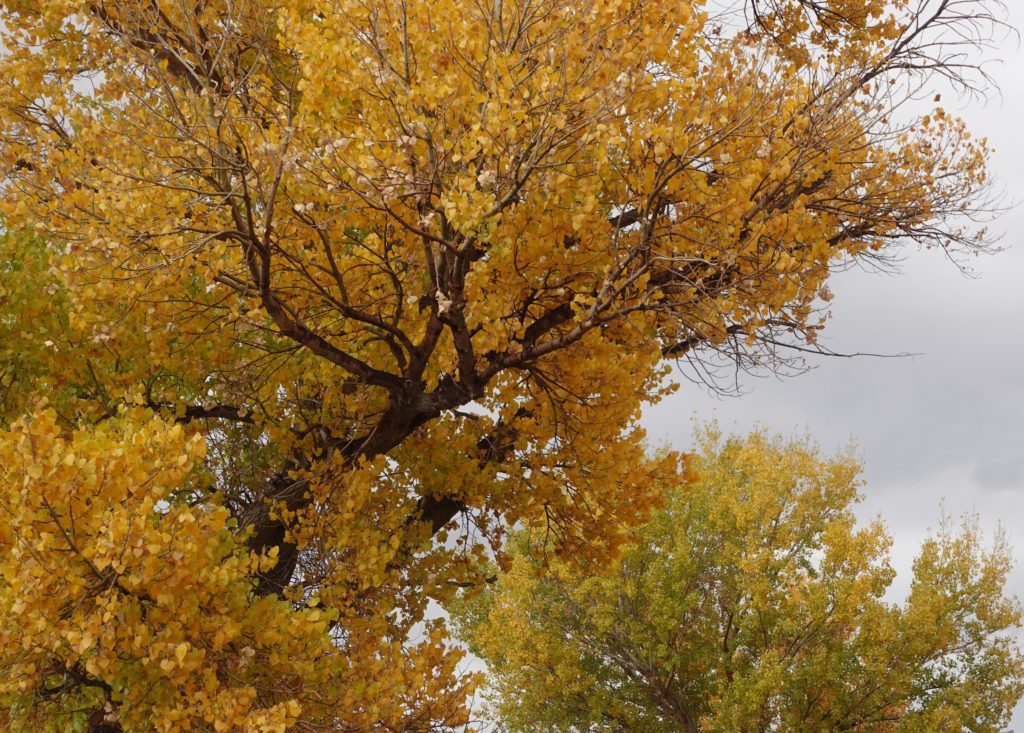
{"x":942,"y":428}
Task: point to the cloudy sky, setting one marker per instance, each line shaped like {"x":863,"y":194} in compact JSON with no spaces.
{"x":945,"y":427}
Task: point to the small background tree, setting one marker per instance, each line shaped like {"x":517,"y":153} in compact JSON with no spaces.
{"x":754,"y":603}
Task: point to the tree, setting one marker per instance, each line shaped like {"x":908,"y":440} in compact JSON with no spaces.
{"x":411,"y":271}
{"x":754,"y":602}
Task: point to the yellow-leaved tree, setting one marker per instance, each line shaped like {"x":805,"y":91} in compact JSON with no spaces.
{"x":302,"y":304}
{"x":753,"y":602}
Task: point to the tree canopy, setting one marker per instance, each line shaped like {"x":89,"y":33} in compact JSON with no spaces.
{"x":303,"y":304}
{"x":755,"y":603}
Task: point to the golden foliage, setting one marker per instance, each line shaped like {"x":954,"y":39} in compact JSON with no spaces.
{"x":410,"y":270}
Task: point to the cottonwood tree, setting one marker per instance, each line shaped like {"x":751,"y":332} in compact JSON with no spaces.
{"x":409,"y":271}
{"x":754,"y":602}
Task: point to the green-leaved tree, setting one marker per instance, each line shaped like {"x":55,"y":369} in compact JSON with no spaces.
{"x":754,"y":603}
